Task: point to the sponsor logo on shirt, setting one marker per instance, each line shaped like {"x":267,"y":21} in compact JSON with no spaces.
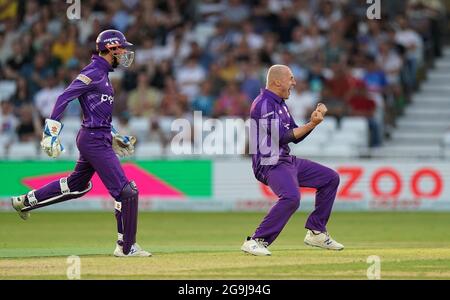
{"x":108,"y":98}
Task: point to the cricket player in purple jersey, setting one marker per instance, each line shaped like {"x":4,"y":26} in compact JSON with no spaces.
{"x":98,"y":143}
{"x":272,"y":129}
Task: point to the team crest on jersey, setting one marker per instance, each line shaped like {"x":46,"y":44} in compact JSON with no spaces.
{"x":83,"y":78}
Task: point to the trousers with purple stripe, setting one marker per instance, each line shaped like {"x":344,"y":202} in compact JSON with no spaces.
{"x":97,"y":155}
{"x":285,"y":179}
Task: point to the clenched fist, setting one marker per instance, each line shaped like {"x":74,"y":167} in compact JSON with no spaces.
{"x":322,"y":108}
{"x":316,"y":117}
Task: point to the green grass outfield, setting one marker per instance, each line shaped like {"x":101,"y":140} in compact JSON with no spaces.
{"x":206,"y":246}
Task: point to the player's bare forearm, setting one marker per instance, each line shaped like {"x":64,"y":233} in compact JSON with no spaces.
{"x":316,"y":118}
{"x":301,"y":131}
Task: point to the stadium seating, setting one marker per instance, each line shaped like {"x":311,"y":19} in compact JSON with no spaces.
{"x":352,"y":138}
{"x":340,"y":151}
{"x":307,"y":150}
{"x":148,"y":150}
{"x":175,"y":149}
{"x":139,"y":126}
{"x":423,"y":130}
{"x":355,"y":124}
{"x":23,"y":151}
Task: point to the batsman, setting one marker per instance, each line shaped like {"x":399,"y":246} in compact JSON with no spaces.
{"x":98,"y":142}
{"x":272,"y":128}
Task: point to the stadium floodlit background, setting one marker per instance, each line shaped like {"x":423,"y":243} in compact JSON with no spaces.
{"x":385,"y":82}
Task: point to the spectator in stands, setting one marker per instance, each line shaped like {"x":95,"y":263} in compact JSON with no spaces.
{"x":302,"y":101}
{"x":22,"y":96}
{"x":262,"y":16}
{"x":8,"y":9}
{"x":144,"y":101}
{"x":390,"y":62}
{"x":375,"y":80}
{"x":413,"y":43}
{"x":216,"y":80}
{"x":230,"y":40}
{"x":254,"y":40}
{"x":313,"y":43}
{"x":20,"y":58}
{"x":8,"y":36}
{"x":250,"y":81}
{"x":337,"y":90}
{"x":220,"y":41}
{"x":64,"y":47}
{"x":232,"y":102}
{"x":189,"y":76}
{"x":285,"y":24}
{"x":303,"y":12}
{"x":316,"y":78}
{"x":174,"y":103}
{"x":45,"y":99}
{"x":236,"y":12}
{"x":334,"y":49}
{"x":267,"y":53}
{"x":297,"y":46}
{"x":37,"y":72}
{"x":8,"y":122}
{"x":146,"y":53}
{"x":29,"y":128}
{"x":40,"y":35}
{"x":162,"y":71}
{"x":327,"y":16}
{"x":204,"y":100}
{"x":361,"y":105}
{"x":229,"y":69}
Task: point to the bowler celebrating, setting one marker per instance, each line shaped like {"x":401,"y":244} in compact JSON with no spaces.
{"x":98,"y":143}
{"x":272,"y":129}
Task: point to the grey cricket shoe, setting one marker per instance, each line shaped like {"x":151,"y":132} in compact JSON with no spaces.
{"x":135,"y":251}
{"x":18,"y":202}
{"x":322,"y":240}
{"x":255,"y":247}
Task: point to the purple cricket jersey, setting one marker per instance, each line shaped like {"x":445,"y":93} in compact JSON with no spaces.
{"x":268,"y":112}
{"x":95,"y":93}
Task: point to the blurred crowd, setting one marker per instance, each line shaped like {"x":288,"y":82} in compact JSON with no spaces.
{"x":212,"y":55}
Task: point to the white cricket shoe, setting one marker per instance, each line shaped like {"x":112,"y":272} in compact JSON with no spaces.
{"x":322,"y":240}
{"x":18,"y":203}
{"x":256,"y":247}
{"x":135,"y":251}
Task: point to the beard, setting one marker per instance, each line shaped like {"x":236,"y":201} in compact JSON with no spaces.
{"x":115,"y":62}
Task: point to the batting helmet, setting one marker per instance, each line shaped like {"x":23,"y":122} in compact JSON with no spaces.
{"x":110,"y":38}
